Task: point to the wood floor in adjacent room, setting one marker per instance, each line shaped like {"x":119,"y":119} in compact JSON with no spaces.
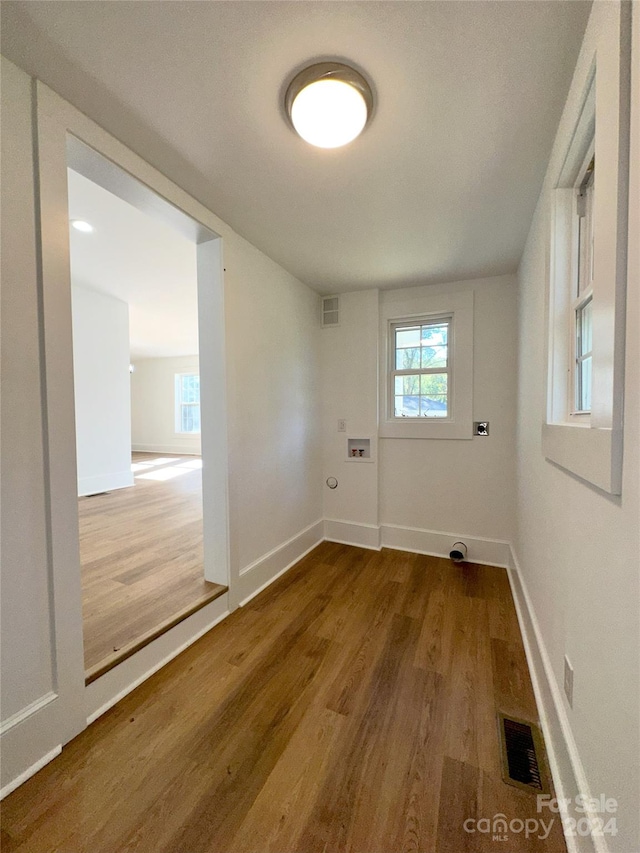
{"x":349,"y":707}
{"x":141,"y":557}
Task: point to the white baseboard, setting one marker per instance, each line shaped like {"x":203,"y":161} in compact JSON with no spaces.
{"x":566,"y":767}
{"x":166,"y":448}
{"x":105,"y":483}
{"x":259,"y":574}
{"x":489,"y":552}
{"x":31,"y":771}
{"x":351,"y":533}
{"x":437,"y":543}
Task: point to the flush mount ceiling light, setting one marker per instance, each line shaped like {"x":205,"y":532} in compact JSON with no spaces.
{"x":329,"y":104}
{"x":81,"y":225}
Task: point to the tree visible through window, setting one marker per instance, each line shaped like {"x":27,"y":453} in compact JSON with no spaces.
{"x":421,"y":368}
{"x":187,"y":402}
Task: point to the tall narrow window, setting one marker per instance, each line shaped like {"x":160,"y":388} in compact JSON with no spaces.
{"x":187,"y":403}
{"x":421,"y":370}
{"x":583,"y":301}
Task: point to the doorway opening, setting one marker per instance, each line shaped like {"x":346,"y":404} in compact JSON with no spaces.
{"x":147,"y":433}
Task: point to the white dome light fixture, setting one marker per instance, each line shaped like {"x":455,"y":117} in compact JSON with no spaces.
{"x":329,"y":104}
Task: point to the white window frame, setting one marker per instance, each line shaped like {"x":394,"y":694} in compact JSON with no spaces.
{"x":393,"y":371}
{"x":426,"y":304}
{"x":597,"y":108}
{"x":179,"y":404}
{"x":581,"y":281}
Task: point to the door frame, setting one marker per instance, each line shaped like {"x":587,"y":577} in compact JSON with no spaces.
{"x":62,"y":130}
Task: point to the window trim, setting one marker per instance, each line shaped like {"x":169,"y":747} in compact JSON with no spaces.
{"x":590,"y":446}
{"x":420,"y":303}
{"x":178,"y":404}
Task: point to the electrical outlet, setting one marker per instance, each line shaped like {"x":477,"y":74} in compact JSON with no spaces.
{"x":568,"y":680}
{"x":342,"y":425}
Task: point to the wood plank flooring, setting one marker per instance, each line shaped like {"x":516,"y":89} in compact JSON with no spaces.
{"x":141,"y":558}
{"x":349,"y":707}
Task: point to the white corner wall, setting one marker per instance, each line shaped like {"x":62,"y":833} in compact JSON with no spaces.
{"x":102,"y":394}
{"x":418,"y":493}
{"x":153,"y":398}
{"x":577,"y":551}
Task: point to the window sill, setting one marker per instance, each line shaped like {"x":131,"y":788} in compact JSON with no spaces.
{"x":420,"y":429}
{"x":594,"y":455}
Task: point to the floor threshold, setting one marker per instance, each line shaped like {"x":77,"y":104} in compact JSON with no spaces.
{"x":119,"y":655}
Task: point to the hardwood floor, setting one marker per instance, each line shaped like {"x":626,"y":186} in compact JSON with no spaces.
{"x":141,"y":557}
{"x":349,"y":707}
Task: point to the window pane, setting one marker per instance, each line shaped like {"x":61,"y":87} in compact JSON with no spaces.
{"x":190,"y":417}
{"x":407,"y":407}
{"x":434,"y":407}
{"x":434,"y":335}
{"x":585,"y":315}
{"x":408,"y":337}
{"x":434,"y":356}
{"x":408,"y":359}
{"x":584,"y":369}
{"x":190,"y":388}
{"x":407,"y":385}
{"x":433,"y":384}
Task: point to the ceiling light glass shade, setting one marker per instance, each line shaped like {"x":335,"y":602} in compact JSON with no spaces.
{"x":81,"y":225}
{"x":329,"y":104}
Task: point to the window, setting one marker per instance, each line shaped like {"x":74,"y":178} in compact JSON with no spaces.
{"x":187,"y":403}
{"x":583,"y":428}
{"x":426,"y":362}
{"x":420,"y":369}
{"x":582,"y":308}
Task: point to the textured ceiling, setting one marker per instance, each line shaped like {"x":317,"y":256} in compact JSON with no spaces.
{"x":441,"y":186}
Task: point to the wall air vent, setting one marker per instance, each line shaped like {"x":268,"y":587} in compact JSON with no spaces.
{"x":330,"y":311}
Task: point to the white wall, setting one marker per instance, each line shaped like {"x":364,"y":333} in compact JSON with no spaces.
{"x":464,"y":487}
{"x":273,"y":370}
{"x":153,"y":398}
{"x":350,"y":392}
{"x":26,"y":626}
{"x":102,"y":395}
{"x":578,"y":548}
{"x":436,"y":486}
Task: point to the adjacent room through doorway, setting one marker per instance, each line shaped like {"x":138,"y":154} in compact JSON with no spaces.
{"x":138,"y":424}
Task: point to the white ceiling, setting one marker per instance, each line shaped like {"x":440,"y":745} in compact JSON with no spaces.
{"x":441,"y":186}
{"x":141,"y":261}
